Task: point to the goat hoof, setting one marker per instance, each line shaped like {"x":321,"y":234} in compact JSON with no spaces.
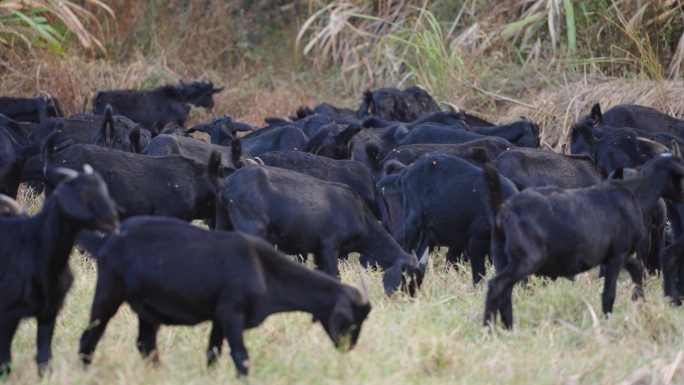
{"x":44,"y":369}
{"x":5,"y":369}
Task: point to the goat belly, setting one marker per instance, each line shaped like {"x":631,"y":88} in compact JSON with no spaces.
{"x":170,"y":311}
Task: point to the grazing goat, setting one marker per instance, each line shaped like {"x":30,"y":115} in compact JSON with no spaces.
{"x":35,"y":275}
{"x":301,"y":214}
{"x":548,"y":232}
{"x":174,"y":273}
{"x":156,"y":108}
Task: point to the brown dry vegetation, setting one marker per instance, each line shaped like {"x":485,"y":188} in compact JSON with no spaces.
{"x":500,"y":59}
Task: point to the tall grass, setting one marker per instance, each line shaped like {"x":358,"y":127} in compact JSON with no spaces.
{"x":52,"y":23}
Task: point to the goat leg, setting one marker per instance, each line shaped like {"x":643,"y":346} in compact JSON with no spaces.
{"x":108,"y":298}
{"x":7,"y":330}
{"x":636,"y":271}
{"x":46,"y":327}
{"x":477,"y":249}
{"x":215,"y":343}
{"x":147,"y":340}
{"x":670,"y":263}
{"x":233,"y":326}
{"x":613,"y":268}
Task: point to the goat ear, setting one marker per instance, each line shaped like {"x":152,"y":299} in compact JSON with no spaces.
{"x":392,"y":279}
{"x":596,"y":114}
{"x":618,"y":173}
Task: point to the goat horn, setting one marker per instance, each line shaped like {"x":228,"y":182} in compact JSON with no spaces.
{"x":258,"y":160}
{"x":676,"y":152}
{"x":250,"y":161}
{"x":655,"y":146}
{"x":525,"y":118}
{"x":415,"y":257}
{"x":10,"y":204}
{"x":563,"y":148}
{"x":452,"y":107}
{"x":422,"y":264}
{"x":88,"y":169}
{"x":548,"y":146}
{"x":66,"y":173}
{"x":364,"y":284}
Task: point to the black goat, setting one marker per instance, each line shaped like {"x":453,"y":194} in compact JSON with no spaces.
{"x":220,"y":130}
{"x":444,"y":205}
{"x":524,"y":133}
{"x":108,"y":130}
{"x":619,"y":148}
{"x":294,"y":211}
{"x":579,"y":144}
{"x":332,"y":143}
{"x":639,"y":117}
{"x":14,"y":157}
{"x":528,"y":167}
{"x":188,"y":147}
{"x":233,"y":279}
{"x":34,"y":110}
{"x":390,"y":104}
{"x":547,"y":231}
{"x":441,"y":134}
{"x":349,"y":172}
{"x":34,"y":253}
{"x":169,"y":185}
{"x":156,"y":108}
{"x":385,"y":139}
{"x":409,"y":153}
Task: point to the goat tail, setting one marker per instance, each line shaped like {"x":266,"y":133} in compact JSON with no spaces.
{"x":494,"y":194}
{"x":214,"y":169}
{"x":108,"y":121}
{"x":91,"y":241}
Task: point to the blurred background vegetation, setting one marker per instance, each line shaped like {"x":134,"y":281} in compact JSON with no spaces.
{"x":537,"y":57}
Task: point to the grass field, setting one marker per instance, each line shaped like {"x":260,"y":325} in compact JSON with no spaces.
{"x":559,"y":337}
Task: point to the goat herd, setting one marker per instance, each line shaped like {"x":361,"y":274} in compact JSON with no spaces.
{"x":396,"y":177}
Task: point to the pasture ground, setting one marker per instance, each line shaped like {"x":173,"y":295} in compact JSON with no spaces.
{"x":559,"y":337}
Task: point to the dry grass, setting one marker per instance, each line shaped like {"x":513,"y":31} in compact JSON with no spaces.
{"x":557,"y":108}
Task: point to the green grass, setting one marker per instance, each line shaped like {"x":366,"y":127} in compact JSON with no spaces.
{"x":434,"y":338}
